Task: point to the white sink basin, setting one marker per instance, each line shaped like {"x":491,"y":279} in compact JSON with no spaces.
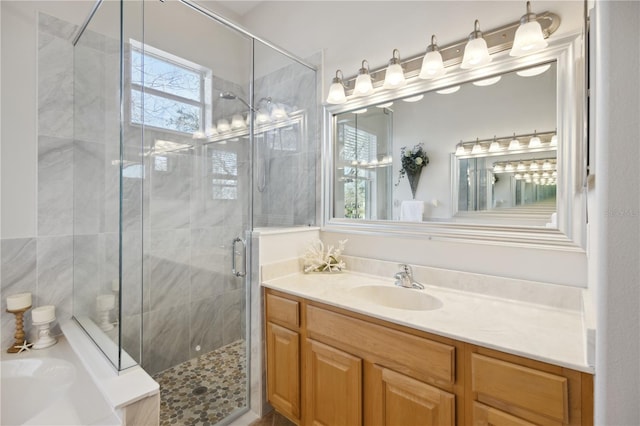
{"x":397,"y":297}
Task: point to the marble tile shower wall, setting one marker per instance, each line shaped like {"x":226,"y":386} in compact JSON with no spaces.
{"x":287,"y":178}
{"x":43,"y":263}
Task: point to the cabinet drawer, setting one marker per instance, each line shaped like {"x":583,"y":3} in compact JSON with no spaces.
{"x":422,"y":358}
{"x":282,"y":310}
{"x":487,"y":416}
{"x":513,"y":387}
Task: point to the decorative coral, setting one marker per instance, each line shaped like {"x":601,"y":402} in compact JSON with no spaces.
{"x":317,"y":259}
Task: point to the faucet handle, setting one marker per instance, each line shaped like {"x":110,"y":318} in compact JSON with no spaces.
{"x":406,"y":268}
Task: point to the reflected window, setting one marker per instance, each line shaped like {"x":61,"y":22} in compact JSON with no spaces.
{"x":167,"y":92}
{"x":224,"y":174}
{"x":358,"y":148}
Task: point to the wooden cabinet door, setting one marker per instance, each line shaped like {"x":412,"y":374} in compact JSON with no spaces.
{"x":394,"y":399}
{"x":283,"y":370}
{"x":333,"y":386}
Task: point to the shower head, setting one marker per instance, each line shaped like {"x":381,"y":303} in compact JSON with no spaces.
{"x":231,"y":96}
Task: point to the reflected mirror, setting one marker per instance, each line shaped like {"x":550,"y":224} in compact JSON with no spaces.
{"x":490,"y":148}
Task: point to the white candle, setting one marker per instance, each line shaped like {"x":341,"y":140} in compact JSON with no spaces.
{"x":105,"y":302}
{"x":18,"y":301}
{"x":43,"y":314}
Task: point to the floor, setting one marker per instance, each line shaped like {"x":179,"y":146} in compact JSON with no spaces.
{"x":206,"y":389}
{"x":273,"y":419}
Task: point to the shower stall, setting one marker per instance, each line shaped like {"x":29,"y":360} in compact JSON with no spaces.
{"x":188,"y":133}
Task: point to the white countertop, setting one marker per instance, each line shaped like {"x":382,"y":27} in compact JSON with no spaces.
{"x":543,"y":333}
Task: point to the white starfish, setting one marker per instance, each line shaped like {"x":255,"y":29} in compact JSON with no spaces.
{"x":24,"y":347}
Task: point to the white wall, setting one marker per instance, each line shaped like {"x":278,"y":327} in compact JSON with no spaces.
{"x":616,"y":213}
{"x":19,"y":108}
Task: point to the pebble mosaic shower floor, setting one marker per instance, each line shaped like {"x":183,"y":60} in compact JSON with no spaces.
{"x":204,"y":390}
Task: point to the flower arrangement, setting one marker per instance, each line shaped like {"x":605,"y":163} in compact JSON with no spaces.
{"x":413,"y":160}
{"x":317,"y":259}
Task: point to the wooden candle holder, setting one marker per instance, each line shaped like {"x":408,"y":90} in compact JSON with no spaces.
{"x":20,"y":335}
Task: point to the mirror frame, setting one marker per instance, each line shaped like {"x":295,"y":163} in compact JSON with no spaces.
{"x":568,"y":53}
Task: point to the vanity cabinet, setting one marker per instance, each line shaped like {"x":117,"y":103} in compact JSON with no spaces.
{"x":353,"y":369}
{"x":283,"y":355}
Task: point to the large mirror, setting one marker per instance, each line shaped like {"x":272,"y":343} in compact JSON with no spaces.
{"x":492,"y":152}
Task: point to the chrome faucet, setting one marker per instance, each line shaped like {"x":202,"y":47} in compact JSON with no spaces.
{"x":405,"y":279}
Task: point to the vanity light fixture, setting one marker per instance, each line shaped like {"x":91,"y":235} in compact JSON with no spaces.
{"x":518,"y":176}
{"x":514,"y":144}
{"x":535,"y":141}
{"x":432,"y":65}
{"x":364,"y":86}
{"x":495,"y":146}
{"x":546,"y":165}
{"x":534,"y":167}
{"x":460,"y":149}
{"x":476,"y":53}
{"x":336,"y":91}
{"x":529,"y":37}
{"x":394,"y":77}
{"x":530,"y":72}
{"x":414,"y":98}
{"x":487,"y":81}
{"x":448,"y":90}
{"x":477,"y":148}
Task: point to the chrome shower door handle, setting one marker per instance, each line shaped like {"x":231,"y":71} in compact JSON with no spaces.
{"x":234,"y":270}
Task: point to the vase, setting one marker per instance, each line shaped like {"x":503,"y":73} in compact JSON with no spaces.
{"x":414,"y":179}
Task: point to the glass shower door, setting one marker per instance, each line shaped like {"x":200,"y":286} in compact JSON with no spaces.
{"x":189,"y":92}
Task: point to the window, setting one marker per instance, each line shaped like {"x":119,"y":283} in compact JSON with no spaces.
{"x":167,"y":92}
{"x":224,"y":174}
{"x":358,"y":149}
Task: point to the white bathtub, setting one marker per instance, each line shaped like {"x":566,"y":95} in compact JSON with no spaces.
{"x":51,"y":387}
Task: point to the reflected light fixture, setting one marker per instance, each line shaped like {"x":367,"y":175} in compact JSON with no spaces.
{"x":533,"y":167}
{"x":432,"y":65}
{"x":237,"y":122}
{"x":529,"y":37}
{"x":198,"y":135}
{"x":278,"y":113}
{"x":535,"y":141}
{"x":363,"y":86}
{"x":530,"y":72}
{"x":210,"y":132}
{"x":262,"y":117}
{"x":360,"y":111}
{"x":476,"y":53}
{"x":385,"y":105}
{"x":521,"y":167}
{"x":546,"y":165}
{"x":336,"y":91}
{"x":448,"y":90}
{"x":487,"y":81}
{"x":554,"y":140}
{"x":514,"y":144}
{"x":394,"y":77}
{"x":508,"y":168}
{"x":498,"y":168}
{"x":223,"y":125}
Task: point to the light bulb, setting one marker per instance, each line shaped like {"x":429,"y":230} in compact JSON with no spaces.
{"x":476,"y":53}
{"x":394,"y":77}
{"x":529,"y":37}
{"x":363,"y":85}
{"x":432,"y":65}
